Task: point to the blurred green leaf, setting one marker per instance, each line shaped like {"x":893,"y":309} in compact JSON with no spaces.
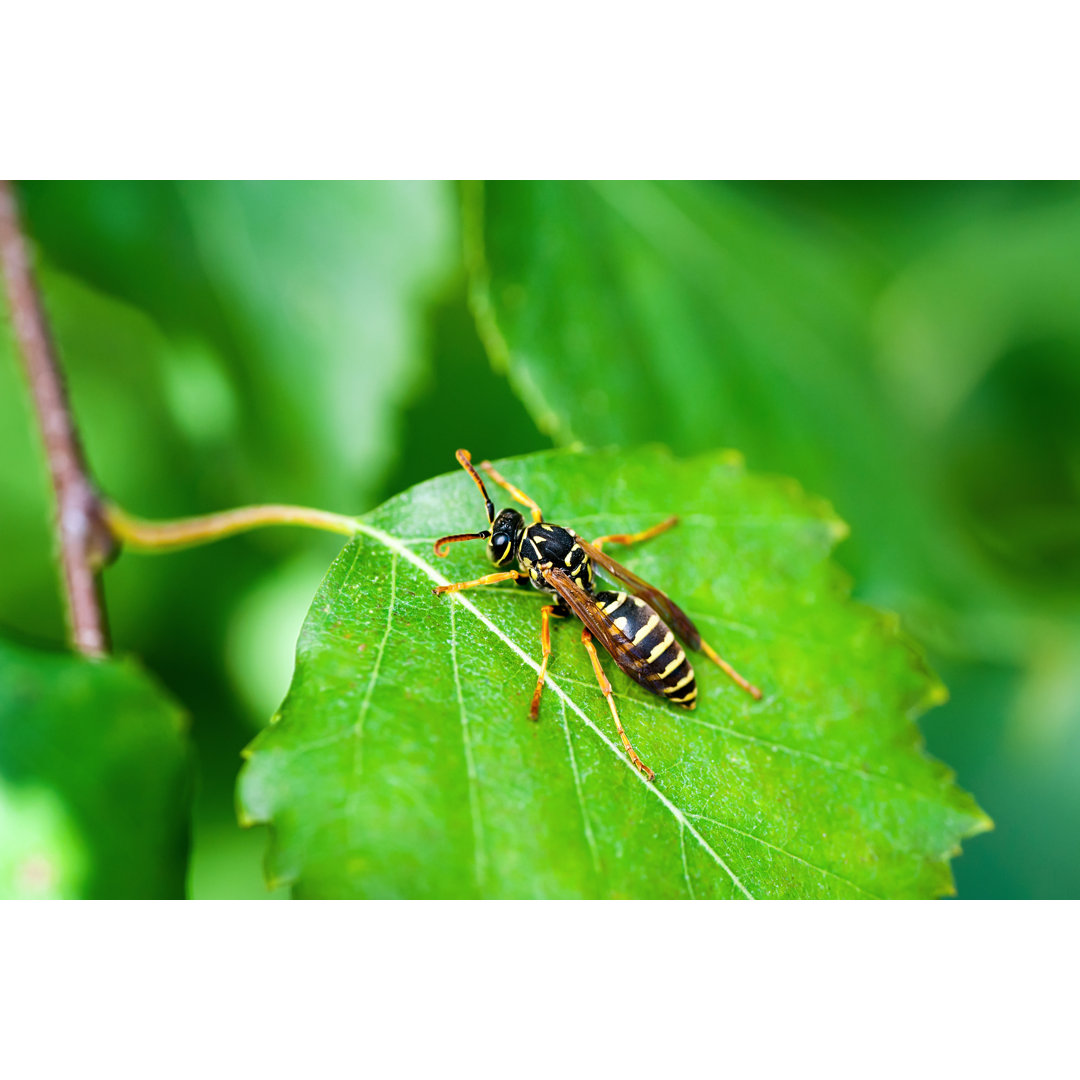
{"x":979,"y":340}
{"x":325,"y":285}
{"x":95,"y":779}
{"x":623,"y":309}
{"x":402,"y":762}
{"x":694,"y":315}
{"x":293,"y":313}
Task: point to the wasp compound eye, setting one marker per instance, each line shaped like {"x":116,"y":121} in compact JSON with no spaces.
{"x":500,"y":549}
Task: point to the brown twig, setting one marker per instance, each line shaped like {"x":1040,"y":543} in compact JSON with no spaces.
{"x":84,"y":537}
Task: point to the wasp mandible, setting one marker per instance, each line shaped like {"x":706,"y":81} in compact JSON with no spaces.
{"x":636,"y":626}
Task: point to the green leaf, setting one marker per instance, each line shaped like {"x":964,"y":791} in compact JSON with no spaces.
{"x":327,"y":283}
{"x":95,"y":779}
{"x":403,"y":763}
{"x":293,"y":314}
{"x":679,"y":307}
{"x":699,"y":316}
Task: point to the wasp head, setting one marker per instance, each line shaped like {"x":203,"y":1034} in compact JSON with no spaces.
{"x":505,"y":534}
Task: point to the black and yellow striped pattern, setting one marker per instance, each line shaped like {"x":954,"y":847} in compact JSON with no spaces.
{"x":662,"y":664}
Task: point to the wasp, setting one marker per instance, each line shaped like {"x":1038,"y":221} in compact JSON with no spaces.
{"x":637,"y":625}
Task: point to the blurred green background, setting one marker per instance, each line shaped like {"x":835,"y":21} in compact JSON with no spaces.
{"x":909,"y":351}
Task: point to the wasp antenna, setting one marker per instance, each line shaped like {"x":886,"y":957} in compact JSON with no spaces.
{"x":465,"y":461}
{"x":441,"y":544}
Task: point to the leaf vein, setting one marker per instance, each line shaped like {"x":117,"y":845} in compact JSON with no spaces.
{"x":784,"y":851}
{"x":685,"y":867}
{"x":829,"y":763}
{"x":589,"y":837}
{"x":358,"y":727}
{"x":479,"y":849}
{"x":769,"y":744}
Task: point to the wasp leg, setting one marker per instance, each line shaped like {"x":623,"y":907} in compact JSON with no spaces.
{"x":605,"y":686}
{"x":633,"y":538}
{"x":545,"y":645}
{"x":516,"y":492}
{"x":489,"y":580}
{"x":711,"y":653}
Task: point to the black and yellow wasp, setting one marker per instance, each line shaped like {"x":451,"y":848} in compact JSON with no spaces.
{"x":632,"y":625}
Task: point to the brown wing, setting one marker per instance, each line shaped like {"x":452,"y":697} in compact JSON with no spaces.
{"x":603,"y":629}
{"x":669,"y":611}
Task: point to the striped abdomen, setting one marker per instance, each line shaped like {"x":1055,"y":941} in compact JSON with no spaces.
{"x":657,"y":661}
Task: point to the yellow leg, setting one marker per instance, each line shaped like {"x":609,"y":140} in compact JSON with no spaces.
{"x":516,"y":492}
{"x":605,"y":686}
{"x":491,"y":579}
{"x":711,"y":653}
{"x":545,"y":646}
{"x":633,"y":538}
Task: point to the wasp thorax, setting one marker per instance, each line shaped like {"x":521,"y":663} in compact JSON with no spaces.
{"x":505,"y":533}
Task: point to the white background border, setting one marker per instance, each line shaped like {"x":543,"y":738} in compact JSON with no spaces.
{"x":550,"y":990}
{"x":828,"y":89}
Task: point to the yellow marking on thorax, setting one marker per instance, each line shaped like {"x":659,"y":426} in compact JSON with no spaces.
{"x":660,"y":649}
{"x":673,"y":665}
{"x":647,"y":629}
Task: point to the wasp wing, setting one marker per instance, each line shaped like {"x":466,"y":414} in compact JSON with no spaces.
{"x":600,"y":625}
{"x":669,"y":611}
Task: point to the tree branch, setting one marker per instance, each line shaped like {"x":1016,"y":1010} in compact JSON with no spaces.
{"x":84,"y":538}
